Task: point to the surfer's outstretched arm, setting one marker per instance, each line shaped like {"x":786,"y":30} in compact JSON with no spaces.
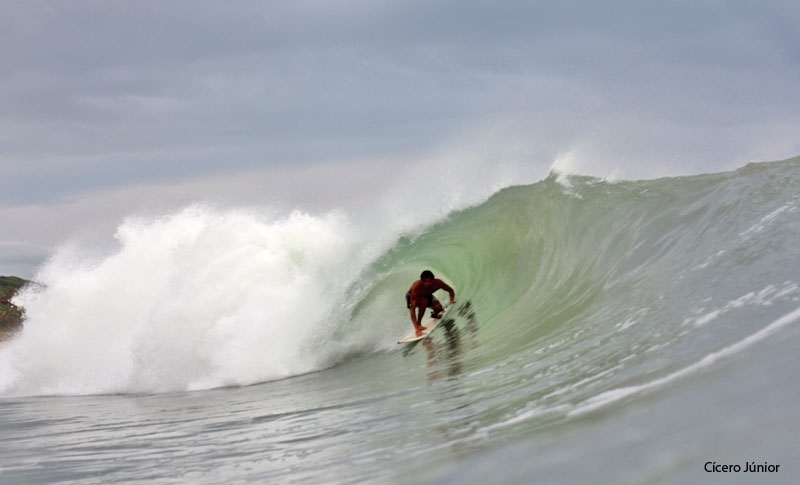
{"x":444,"y":286}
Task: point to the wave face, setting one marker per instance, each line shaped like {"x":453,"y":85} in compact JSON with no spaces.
{"x":594,"y":288}
{"x":646,"y":264}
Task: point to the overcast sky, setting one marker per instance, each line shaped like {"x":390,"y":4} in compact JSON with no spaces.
{"x":113,"y":107}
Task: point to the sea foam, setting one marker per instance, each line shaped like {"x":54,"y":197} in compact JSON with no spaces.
{"x":198,"y":299}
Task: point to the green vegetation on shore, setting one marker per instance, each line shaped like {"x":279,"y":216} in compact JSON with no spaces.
{"x":10,"y":315}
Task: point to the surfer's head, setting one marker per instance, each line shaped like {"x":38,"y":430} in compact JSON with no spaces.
{"x":426,"y":275}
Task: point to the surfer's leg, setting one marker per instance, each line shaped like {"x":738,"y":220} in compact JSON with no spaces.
{"x":423,"y":305}
{"x":437,"y":308}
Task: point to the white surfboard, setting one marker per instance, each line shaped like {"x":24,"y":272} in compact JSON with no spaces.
{"x":429,"y":325}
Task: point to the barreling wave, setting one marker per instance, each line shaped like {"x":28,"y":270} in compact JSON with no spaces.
{"x":591,"y":290}
{"x":588,"y":284}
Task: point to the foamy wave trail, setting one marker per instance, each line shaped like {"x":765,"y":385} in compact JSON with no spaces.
{"x":199,"y":299}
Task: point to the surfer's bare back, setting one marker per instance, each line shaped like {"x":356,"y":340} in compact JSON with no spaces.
{"x":420,"y":297}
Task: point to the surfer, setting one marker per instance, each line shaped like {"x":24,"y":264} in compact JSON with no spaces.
{"x":420,"y":297}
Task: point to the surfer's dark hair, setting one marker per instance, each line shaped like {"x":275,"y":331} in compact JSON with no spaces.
{"x":426,"y":274}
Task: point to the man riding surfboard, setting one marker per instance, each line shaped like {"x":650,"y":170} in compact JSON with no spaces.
{"x":420,"y":297}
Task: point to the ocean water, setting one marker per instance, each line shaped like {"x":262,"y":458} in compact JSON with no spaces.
{"x":605,"y":332}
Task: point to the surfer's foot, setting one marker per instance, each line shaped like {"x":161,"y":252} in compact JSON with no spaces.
{"x":436,"y":315}
{"x":420,"y":330}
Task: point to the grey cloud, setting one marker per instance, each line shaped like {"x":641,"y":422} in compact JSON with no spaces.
{"x":98,"y":95}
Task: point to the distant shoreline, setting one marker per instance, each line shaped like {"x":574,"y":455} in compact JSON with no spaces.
{"x":5,"y":336}
{"x":11,"y":316}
